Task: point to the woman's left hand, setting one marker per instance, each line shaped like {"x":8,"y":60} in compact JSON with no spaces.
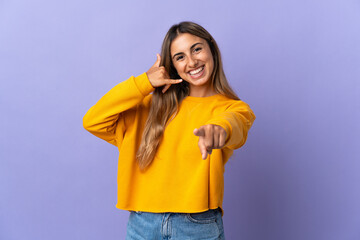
{"x":210,"y":137}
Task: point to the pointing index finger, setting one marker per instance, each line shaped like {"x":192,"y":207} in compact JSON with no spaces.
{"x":199,"y":132}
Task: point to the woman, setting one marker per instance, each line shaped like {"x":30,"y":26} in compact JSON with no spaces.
{"x":175,"y":142}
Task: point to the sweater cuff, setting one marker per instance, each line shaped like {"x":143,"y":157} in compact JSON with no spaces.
{"x":143,"y":83}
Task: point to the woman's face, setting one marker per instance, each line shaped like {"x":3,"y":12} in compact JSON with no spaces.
{"x":192,"y":59}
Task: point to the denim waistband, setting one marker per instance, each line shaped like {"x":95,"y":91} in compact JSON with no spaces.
{"x":216,"y":209}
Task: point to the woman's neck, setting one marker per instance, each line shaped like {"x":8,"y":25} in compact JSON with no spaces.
{"x":201,"y":91}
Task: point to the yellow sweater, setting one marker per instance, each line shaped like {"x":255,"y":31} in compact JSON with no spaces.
{"x":178,"y":179}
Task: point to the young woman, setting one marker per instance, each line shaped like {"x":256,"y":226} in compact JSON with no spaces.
{"x":174,"y":143}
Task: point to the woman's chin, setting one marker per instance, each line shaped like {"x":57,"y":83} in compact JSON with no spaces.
{"x":198,"y":82}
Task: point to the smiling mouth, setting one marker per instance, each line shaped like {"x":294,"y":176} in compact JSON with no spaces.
{"x":197,"y":71}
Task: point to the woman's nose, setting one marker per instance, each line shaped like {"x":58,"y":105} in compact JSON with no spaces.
{"x":192,"y":62}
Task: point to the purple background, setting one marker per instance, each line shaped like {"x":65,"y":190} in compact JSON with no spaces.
{"x":297,"y":63}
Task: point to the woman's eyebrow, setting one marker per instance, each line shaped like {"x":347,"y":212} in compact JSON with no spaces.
{"x":190,"y":48}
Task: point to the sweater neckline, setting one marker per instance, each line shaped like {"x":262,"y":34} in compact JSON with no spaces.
{"x":202,"y":99}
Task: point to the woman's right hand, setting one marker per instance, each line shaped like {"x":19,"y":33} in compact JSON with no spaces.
{"x":159,"y":77}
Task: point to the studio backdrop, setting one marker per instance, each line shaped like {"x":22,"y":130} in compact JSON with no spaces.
{"x":296,"y":63}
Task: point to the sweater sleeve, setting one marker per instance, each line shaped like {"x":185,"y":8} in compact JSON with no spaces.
{"x":236,"y":120}
{"x":105,"y":118}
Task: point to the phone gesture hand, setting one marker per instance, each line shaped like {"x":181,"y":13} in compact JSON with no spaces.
{"x":158,"y":76}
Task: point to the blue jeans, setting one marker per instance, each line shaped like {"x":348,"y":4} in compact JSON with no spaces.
{"x":175,"y":226}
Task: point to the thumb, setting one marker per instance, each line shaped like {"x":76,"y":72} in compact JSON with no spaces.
{"x":158,"y":60}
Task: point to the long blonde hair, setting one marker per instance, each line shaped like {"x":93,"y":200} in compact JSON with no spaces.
{"x":164,"y":106}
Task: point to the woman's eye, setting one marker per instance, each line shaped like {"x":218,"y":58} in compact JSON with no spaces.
{"x":179,"y":58}
{"x":197,"y":49}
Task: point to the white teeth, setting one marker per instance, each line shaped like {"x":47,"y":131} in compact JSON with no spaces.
{"x":196,"y":71}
